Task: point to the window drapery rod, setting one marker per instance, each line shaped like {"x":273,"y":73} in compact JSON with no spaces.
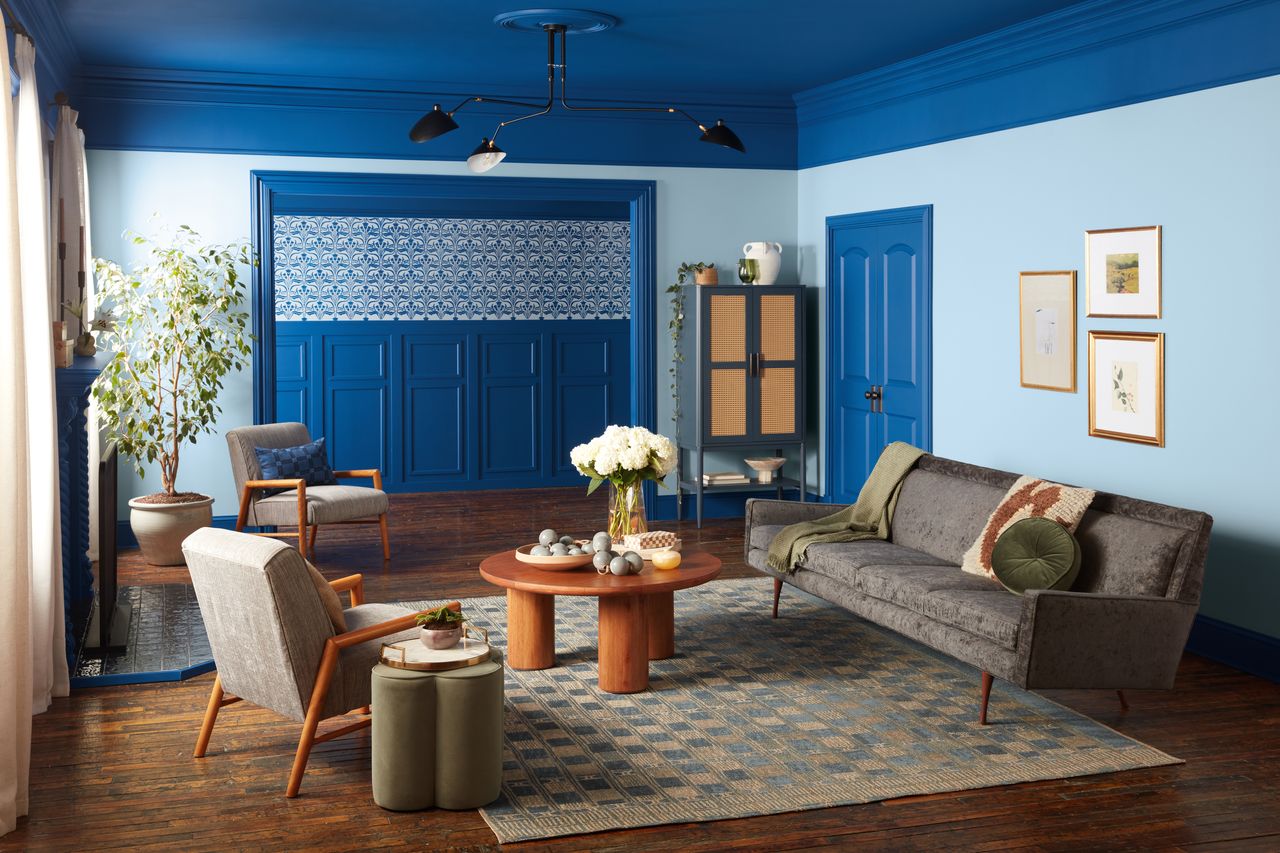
{"x":12,"y":21}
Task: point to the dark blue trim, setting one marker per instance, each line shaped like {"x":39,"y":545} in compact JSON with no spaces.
{"x":272,"y":191}
{"x":1092,"y":56}
{"x":924,"y":215}
{"x":166,"y":110}
{"x":1241,"y":648}
{"x":56,"y":56}
{"x":163,"y":675}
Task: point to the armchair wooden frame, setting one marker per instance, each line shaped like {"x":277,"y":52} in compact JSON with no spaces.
{"x":307,"y":546}
{"x":218,"y":699}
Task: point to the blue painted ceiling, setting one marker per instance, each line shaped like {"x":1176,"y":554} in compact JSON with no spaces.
{"x":751,"y":50}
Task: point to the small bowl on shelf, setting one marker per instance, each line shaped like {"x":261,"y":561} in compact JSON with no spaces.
{"x":553,"y":564}
{"x":765,"y":466}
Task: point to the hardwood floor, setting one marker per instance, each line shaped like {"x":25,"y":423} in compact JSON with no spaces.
{"x":112,"y":767}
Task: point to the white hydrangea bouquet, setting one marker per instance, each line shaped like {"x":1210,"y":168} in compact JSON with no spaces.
{"x":625,"y":457}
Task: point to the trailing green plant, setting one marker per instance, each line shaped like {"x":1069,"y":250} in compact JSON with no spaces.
{"x":440,"y":619}
{"x":675,"y":326}
{"x":177,"y":330}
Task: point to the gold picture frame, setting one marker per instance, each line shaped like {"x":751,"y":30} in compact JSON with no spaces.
{"x":1123,"y":274}
{"x":1047,"y":330}
{"x":1126,"y":386}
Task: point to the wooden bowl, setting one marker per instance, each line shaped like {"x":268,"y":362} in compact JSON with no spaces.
{"x":553,"y":564}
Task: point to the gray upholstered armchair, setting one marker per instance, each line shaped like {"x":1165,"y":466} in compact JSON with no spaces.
{"x":301,"y":505}
{"x":274,"y":642}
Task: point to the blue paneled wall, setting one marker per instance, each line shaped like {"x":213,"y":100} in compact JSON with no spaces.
{"x":453,"y":352}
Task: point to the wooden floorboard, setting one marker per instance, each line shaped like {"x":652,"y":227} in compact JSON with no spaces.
{"x":112,"y":767}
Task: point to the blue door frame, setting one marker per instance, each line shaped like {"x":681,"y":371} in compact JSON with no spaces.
{"x":921,"y":216}
{"x":270,"y":191}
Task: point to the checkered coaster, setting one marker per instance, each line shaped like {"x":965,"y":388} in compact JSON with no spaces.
{"x":755,"y":716}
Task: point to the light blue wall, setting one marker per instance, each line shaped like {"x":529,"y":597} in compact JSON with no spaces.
{"x":703,"y":214}
{"x":1204,"y":166}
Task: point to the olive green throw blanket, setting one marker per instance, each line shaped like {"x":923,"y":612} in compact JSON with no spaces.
{"x":869,"y":518}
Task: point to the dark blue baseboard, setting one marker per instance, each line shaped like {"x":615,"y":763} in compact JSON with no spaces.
{"x":718,"y":505}
{"x":126,"y":539}
{"x":1240,"y":648}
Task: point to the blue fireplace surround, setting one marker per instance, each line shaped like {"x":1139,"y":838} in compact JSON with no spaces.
{"x":72,"y":388}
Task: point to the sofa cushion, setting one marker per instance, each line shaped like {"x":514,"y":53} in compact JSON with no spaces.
{"x":842,"y":560}
{"x":942,"y":515}
{"x":1122,"y":555}
{"x":971,"y":603}
{"x":762,"y":535}
{"x":1028,"y":497}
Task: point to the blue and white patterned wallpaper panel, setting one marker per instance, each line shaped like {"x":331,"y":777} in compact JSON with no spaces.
{"x":413,"y":268}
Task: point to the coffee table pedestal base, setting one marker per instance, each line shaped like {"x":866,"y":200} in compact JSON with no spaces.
{"x":531,"y":630}
{"x":624,"y":644}
{"x":661,"y":607}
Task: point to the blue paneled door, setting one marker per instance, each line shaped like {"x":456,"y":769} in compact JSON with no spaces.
{"x":878,"y":340}
{"x":484,"y":404}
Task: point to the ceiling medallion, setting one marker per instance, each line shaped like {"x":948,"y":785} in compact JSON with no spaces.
{"x":557,"y":24}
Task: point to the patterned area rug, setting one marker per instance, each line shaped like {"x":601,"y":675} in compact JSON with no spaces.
{"x":755,"y":716}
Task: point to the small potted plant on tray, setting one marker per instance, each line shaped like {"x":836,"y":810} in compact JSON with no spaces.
{"x":440,"y":628}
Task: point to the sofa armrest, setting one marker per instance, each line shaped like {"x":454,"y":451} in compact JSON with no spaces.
{"x":1093,"y":640}
{"x":763,"y":511}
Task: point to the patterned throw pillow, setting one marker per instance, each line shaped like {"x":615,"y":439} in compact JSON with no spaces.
{"x":1026,"y":498}
{"x":306,"y":461}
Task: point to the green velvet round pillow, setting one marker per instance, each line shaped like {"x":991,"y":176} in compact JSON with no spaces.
{"x":1036,"y":553}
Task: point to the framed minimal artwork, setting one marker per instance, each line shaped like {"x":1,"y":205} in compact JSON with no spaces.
{"x":1047,"y":330}
{"x":1126,"y":386}
{"x":1122,"y":272}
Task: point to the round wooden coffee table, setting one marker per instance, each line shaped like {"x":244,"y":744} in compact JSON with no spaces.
{"x":636,"y":613}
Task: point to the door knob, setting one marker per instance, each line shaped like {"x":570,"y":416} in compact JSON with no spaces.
{"x":867,"y":395}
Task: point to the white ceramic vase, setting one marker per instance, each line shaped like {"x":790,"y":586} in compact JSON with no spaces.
{"x":160,"y":528}
{"x":769,"y":258}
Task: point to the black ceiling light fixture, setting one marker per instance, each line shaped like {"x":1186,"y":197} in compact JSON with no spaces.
{"x":556,"y":23}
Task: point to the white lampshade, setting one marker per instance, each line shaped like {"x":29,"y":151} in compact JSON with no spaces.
{"x":485,"y":157}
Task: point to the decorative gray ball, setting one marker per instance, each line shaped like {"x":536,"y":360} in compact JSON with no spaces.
{"x":601,"y":561}
{"x":566,"y":540}
{"x":619,"y":566}
{"x":635,"y":560}
{"x":558,"y":550}
{"x":575,"y":551}
{"x":602,"y":542}
{"x":540,"y":551}
{"x":587,"y":547}
{"x":548,"y":537}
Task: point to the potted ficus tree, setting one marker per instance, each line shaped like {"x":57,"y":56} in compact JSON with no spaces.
{"x":178,"y":329}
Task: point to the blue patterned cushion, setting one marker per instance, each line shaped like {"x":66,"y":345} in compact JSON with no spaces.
{"x":308,"y":462}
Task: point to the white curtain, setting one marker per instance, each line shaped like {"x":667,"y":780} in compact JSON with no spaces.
{"x":33,"y":665}
{"x":69,"y":222}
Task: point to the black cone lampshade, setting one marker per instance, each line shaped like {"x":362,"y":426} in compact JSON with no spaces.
{"x":720,"y":134}
{"x":485,"y":157}
{"x":433,"y":124}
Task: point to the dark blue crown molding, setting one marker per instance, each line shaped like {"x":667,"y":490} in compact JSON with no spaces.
{"x":1093,"y":56}
{"x":133,"y":109}
{"x":57,"y":60}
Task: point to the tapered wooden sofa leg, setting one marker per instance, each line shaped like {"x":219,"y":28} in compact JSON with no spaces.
{"x":986,"y":697}
{"x":1124,"y":703}
{"x":777,"y":593}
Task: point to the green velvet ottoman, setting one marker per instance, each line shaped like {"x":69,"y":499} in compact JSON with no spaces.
{"x":437,"y":737}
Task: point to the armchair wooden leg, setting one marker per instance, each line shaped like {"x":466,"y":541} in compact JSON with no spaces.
{"x":777,"y":592}
{"x":986,"y":696}
{"x":244,"y":508}
{"x":210,"y":717}
{"x":386,"y":540}
{"x":312,"y":545}
{"x":315,"y":708}
{"x":1124,"y":703}
{"x":302,"y":523}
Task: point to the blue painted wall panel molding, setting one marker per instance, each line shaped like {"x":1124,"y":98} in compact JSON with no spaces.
{"x":1092,"y":56}
{"x":439,"y":269}
{"x":147,"y":110}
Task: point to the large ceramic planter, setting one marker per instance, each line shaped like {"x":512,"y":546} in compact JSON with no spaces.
{"x":160,"y":528}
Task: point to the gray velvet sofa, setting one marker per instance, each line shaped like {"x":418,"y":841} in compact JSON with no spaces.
{"x":1123,"y":624}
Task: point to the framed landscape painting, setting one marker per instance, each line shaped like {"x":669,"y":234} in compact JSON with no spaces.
{"x":1047,"y":330}
{"x":1126,"y":386}
{"x":1122,"y":272}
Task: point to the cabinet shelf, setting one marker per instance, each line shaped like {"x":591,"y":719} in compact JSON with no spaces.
{"x":753,"y":486}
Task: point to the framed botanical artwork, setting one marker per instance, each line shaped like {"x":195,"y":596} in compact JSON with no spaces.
{"x":1122,"y":272}
{"x":1047,"y":330}
{"x":1126,"y":386}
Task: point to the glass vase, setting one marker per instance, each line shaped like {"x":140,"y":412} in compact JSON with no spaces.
{"x":626,"y":511}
